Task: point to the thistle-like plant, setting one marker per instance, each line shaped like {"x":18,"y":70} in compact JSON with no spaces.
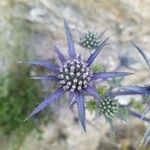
{"x":135,"y":90}
{"x":125,"y":60}
{"x":89,"y":40}
{"x":147,"y":59}
{"x":138,"y":90}
{"x":107,"y":107}
{"x":73,"y":76}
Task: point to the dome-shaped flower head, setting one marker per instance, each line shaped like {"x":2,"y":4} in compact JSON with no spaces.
{"x":90,"y":40}
{"x":73,"y":76}
{"x":110,"y":109}
{"x":107,"y":107}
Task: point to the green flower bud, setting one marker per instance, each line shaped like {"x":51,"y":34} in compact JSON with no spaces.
{"x":108,"y":107}
{"x":89,"y":40}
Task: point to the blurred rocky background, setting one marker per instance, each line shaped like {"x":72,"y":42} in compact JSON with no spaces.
{"x":27,"y":30}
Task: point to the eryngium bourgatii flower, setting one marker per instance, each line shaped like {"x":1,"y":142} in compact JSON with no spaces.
{"x":73,"y":76}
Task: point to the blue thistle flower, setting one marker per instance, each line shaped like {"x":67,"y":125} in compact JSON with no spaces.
{"x":73,"y":76}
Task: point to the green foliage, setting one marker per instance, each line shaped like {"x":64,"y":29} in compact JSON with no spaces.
{"x":136,"y":104}
{"x":102,"y":90}
{"x":91,"y":105}
{"x":98,"y":67}
{"x":18,"y":97}
{"x":18,"y":94}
